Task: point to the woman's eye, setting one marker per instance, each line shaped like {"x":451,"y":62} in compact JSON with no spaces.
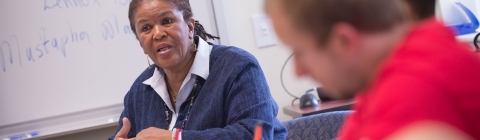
{"x":146,"y":28}
{"x":167,"y":21}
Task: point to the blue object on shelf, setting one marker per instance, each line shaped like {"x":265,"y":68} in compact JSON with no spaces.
{"x":466,"y":28}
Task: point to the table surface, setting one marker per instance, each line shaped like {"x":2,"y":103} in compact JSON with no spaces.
{"x":338,"y":105}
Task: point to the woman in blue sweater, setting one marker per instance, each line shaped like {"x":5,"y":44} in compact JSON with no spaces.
{"x":194,"y":89}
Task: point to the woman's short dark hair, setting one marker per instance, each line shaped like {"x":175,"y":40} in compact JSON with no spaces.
{"x":182,"y":5}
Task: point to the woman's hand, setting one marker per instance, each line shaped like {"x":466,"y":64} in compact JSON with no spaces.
{"x":123,"y":133}
{"x":153,"y":133}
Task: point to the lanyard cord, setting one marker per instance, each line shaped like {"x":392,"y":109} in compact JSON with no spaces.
{"x":184,"y":119}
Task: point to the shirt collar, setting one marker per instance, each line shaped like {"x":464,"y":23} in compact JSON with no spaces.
{"x":201,"y":64}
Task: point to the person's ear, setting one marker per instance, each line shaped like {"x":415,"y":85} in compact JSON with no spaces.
{"x":141,"y":45}
{"x":191,"y":27}
{"x":144,"y":50}
{"x":344,"y":39}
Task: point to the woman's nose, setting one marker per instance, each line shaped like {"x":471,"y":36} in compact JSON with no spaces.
{"x":158,"y":33}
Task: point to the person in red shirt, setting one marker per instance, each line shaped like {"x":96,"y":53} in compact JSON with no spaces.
{"x":410,"y":77}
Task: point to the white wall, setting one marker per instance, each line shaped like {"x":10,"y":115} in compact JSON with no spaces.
{"x":240,"y":32}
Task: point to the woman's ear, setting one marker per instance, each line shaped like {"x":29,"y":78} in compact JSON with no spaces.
{"x":141,"y":45}
{"x":144,"y":50}
{"x":191,"y":27}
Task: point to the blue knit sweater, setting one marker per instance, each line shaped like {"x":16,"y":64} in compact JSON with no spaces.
{"x":228,"y":105}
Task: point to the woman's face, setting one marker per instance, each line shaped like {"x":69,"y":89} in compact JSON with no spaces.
{"x":163,"y":33}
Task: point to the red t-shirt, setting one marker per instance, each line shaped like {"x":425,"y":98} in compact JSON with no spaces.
{"x":429,"y":76}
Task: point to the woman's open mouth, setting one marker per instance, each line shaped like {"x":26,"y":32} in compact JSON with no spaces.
{"x":163,"y":49}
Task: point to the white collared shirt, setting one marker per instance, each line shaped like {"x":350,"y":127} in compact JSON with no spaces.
{"x":200,"y":67}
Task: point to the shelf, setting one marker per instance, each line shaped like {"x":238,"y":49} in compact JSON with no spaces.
{"x":65,"y":124}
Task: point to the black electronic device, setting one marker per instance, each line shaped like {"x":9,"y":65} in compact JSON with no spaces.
{"x":308,"y":100}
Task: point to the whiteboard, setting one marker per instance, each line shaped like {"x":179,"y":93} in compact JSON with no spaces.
{"x":69,"y":57}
